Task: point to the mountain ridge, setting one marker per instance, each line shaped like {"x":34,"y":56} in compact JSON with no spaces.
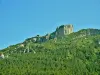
{"x":73,"y":35}
{"x":77,"y":53}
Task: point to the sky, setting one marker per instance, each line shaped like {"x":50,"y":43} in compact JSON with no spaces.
{"x":21,"y":19}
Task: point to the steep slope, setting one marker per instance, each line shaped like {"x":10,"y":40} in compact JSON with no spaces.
{"x":71,"y":55}
{"x":28,"y":45}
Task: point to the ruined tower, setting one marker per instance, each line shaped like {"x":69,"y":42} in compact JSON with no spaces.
{"x":64,"y":30}
{"x":60,"y":32}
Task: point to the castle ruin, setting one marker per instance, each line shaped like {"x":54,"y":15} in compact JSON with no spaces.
{"x":61,"y":31}
{"x":64,"y":30}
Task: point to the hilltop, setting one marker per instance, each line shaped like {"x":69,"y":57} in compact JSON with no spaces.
{"x":62,"y":32}
{"x":73,"y":53}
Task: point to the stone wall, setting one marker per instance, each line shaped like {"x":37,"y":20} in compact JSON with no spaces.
{"x":68,"y":29}
{"x":64,"y":30}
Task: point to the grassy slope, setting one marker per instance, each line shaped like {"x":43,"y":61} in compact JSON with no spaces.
{"x":67,"y":56}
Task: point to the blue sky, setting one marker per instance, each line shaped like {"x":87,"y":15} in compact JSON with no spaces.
{"x":20,"y":19}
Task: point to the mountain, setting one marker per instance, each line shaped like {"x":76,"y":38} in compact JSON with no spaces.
{"x":73,"y":53}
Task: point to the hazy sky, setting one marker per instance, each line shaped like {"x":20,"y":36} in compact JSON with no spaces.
{"x":20,"y":19}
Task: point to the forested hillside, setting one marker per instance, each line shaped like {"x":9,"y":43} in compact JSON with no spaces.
{"x":75,"y":54}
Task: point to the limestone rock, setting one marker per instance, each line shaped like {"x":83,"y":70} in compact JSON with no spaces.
{"x":2,"y":56}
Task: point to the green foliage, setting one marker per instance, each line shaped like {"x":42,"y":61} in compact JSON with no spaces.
{"x":66,"y":56}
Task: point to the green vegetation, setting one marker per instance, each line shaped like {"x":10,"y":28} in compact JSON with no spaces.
{"x":70,"y":55}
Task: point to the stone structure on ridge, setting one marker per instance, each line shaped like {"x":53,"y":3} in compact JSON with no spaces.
{"x":64,"y":30}
{"x":61,"y":31}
